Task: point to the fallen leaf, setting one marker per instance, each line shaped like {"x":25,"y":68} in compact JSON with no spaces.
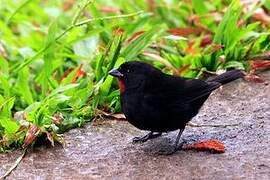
{"x":254,"y":78}
{"x":212,"y":145}
{"x":117,"y":116}
{"x":259,"y":65}
{"x":31,"y":135}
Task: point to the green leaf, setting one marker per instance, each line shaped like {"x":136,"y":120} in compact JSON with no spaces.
{"x":86,"y":47}
{"x":229,"y":21}
{"x":9,"y":126}
{"x":199,"y":7}
{"x":48,"y":57}
{"x":23,"y":85}
{"x":106,"y":85}
{"x":137,"y":45}
{"x":64,"y":88}
{"x":5,"y":106}
{"x":234,"y":64}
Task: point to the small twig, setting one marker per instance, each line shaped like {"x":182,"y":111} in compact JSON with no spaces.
{"x":13,"y":167}
{"x":107,"y":18}
{"x":212,"y":125}
{"x":18,"y":9}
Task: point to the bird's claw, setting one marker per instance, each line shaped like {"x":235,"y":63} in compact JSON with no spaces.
{"x":139,"y":139}
{"x":148,"y":136}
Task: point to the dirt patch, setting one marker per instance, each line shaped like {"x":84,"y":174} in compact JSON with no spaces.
{"x":106,"y":152}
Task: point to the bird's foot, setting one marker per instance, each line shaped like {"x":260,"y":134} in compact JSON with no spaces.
{"x":148,"y":136}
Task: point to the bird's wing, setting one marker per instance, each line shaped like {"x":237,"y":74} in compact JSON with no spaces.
{"x":196,"y":89}
{"x":175,"y":90}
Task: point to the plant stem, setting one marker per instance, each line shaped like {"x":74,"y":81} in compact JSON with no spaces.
{"x":18,"y":68}
{"x":17,"y":162}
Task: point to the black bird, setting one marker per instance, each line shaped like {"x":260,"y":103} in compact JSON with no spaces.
{"x":157,"y":102}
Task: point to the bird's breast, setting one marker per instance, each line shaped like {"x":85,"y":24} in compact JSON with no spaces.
{"x":121,"y":85}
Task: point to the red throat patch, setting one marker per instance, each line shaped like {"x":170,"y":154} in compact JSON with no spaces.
{"x":121,"y":85}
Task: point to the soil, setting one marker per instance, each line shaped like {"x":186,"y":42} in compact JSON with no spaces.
{"x":105,"y":151}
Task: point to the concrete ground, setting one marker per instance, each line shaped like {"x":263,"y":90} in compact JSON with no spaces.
{"x":105,"y":151}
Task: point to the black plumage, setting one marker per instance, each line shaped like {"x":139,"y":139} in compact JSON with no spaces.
{"x":157,"y":102}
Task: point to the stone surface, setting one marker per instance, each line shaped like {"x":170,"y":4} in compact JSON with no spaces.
{"x":105,"y":151}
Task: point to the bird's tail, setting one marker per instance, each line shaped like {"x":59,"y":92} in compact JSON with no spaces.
{"x":227,"y":76}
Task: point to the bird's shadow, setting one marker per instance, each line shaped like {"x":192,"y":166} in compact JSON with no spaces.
{"x":165,"y":145}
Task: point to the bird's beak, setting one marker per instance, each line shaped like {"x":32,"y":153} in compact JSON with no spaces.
{"x":115,"y":73}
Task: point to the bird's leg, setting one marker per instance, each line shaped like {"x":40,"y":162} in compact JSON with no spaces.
{"x":178,"y":138}
{"x":176,"y":146}
{"x":191,"y":124}
{"x":148,"y":136}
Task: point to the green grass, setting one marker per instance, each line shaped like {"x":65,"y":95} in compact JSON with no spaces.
{"x":54,"y":59}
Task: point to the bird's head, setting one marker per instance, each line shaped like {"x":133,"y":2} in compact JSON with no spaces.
{"x":132,"y":75}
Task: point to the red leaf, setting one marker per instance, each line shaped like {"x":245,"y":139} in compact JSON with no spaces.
{"x":183,"y":69}
{"x":260,"y":65}
{"x":57,"y":118}
{"x":254,"y":78}
{"x":107,"y":9}
{"x":31,"y":135}
{"x":260,"y":15}
{"x":208,"y":145}
{"x":118,"y":31}
{"x":151,"y":5}
{"x":216,"y":47}
{"x":206,"y":40}
{"x":50,"y":138}
{"x":191,"y":50}
{"x":68,"y":4}
{"x":186,"y":31}
{"x":66,"y":73}
{"x":80,"y":73}
{"x":134,"y":36}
